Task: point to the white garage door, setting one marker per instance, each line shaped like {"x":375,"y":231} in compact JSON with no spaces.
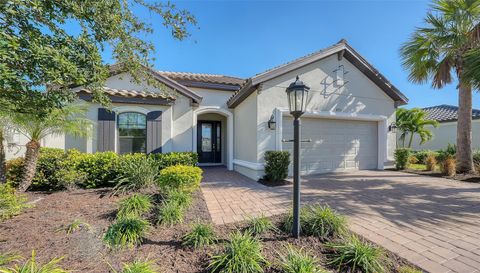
{"x":337,"y":145}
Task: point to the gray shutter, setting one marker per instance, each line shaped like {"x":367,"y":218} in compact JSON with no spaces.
{"x":106,"y":130}
{"x":154,"y":132}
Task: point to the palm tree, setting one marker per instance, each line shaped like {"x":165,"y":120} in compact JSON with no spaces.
{"x":412,"y":122}
{"x":70,"y":119}
{"x":435,"y":51}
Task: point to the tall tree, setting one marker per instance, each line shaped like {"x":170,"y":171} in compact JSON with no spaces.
{"x":413,"y":122}
{"x":70,"y":119}
{"x":45,"y":43}
{"x":436,"y":50}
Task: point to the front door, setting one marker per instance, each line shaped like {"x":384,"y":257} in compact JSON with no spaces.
{"x":209,"y":146}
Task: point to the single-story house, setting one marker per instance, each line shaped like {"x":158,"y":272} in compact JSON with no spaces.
{"x":233,"y":122}
{"x":446,"y":132}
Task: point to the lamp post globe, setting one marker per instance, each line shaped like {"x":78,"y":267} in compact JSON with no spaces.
{"x":297,"y":93}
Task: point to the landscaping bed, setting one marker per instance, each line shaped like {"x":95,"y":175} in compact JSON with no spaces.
{"x":42,"y":228}
{"x":473,"y":178}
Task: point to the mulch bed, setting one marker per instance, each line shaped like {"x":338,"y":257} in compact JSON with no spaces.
{"x":472,"y":178}
{"x":39,"y":229}
{"x":269,"y":183}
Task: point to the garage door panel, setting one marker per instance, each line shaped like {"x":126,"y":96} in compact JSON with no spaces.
{"x":337,"y":145}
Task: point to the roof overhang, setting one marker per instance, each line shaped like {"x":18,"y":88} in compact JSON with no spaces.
{"x":342,"y":49}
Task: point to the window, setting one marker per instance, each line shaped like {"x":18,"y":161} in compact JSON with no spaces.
{"x":132,"y":133}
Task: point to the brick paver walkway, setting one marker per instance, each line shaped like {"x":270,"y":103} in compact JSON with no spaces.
{"x":432,"y":222}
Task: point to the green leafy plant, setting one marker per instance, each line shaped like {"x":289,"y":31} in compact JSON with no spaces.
{"x":179,"y":177}
{"x":126,"y":232}
{"x":9,"y":257}
{"x":134,"y":205}
{"x":260,"y":225}
{"x":401,"y":158}
{"x":323,"y":222}
{"x":136,"y":172}
{"x":354,"y":254}
{"x":100,"y":167}
{"x":320,"y":221}
{"x":31,"y":266}
{"x":138,"y":267}
{"x":243,"y":253}
{"x":175,"y":158}
{"x":276,"y":165}
{"x":183,"y":199}
{"x":297,"y":260}
{"x":76,"y":225}
{"x":170,"y":213}
{"x":200,"y":235}
{"x":11,"y":204}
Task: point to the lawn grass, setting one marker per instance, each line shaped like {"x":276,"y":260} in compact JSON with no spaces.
{"x":417,"y":167}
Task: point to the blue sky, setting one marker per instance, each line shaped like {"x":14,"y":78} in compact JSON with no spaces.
{"x":242,"y":38}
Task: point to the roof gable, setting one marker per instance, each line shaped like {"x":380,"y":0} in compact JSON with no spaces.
{"x":342,"y":49}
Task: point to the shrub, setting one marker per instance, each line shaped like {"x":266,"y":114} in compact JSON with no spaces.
{"x":183,"y":178}
{"x":136,"y":172}
{"x":100,"y":168}
{"x":448,"y":166}
{"x":176,"y":158}
{"x":260,"y":225}
{"x":31,"y":266}
{"x":476,"y":156}
{"x":126,"y":232}
{"x":320,"y":221}
{"x":323,"y":222}
{"x":14,"y":171}
{"x":134,"y":205}
{"x":421,"y":155}
{"x":183,"y":199}
{"x":449,"y":152}
{"x":276,"y":165}
{"x":431,"y":162}
{"x":170,"y":213}
{"x":298,"y":261}
{"x":353,"y":254}
{"x":243,"y":253}
{"x":138,"y":267}
{"x":412,"y":160}
{"x":11,"y":204}
{"x":200,"y":235}
{"x":401,"y":158}
{"x":48,"y":164}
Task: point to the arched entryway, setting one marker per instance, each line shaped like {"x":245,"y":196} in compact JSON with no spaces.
{"x":213,"y":136}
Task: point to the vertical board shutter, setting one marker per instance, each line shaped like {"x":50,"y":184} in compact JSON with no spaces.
{"x":154,"y":132}
{"x":106,"y":130}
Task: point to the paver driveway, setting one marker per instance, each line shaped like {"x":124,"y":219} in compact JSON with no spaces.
{"x":432,"y":222}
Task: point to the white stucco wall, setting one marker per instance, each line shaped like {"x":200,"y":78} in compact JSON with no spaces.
{"x":359,"y":96}
{"x":443,"y":135}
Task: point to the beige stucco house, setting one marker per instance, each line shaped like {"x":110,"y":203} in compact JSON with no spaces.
{"x":226,"y":119}
{"x":446,"y":132}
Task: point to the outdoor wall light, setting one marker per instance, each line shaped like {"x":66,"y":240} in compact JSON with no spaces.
{"x":392,"y":127}
{"x":272,"y":124}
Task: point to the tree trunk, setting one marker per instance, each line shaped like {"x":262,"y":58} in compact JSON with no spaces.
{"x":30,"y":165}
{"x":411,"y":140}
{"x":3,"y":166}
{"x":464,"y":130}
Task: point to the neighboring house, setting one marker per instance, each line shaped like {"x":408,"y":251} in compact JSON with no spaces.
{"x":226,"y":119}
{"x":446,"y":132}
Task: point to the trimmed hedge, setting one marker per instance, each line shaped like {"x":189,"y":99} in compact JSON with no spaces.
{"x":182,"y":178}
{"x":401,"y":158}
{"x":276,"y":165}
{"x":57,"y":169}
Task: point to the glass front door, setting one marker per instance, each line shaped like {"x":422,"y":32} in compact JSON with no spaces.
{"x":209,"y":146}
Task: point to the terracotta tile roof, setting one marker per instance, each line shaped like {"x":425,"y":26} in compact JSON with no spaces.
{"x":199,"y":77}
{"x":131,"y":93}
{"x":444,"y":113}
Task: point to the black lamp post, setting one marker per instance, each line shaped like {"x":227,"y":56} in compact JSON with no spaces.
{"x":297,"y":94}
